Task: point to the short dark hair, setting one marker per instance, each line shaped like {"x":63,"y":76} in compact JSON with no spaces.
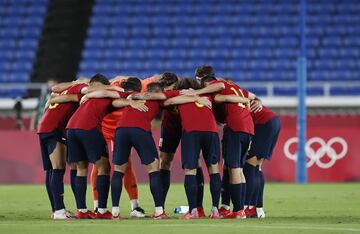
{"x":154,"y":86}
{"x":204,"y":70}
{"x":187,"y":83}
{"x":55,"y":79}
{"x":207,"y":79}
{"x":131,"y":84}
{"x":100,"y":78}
{"x":168,"y":78}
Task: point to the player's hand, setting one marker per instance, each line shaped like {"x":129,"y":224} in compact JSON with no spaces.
{"x":84,"y":99}
{"x":247,"y":103}
{"x":136,"y":96}
{"x":256,"y":106}
{"x":139,"y":105}
{"x":53,"y":94}
{"x":187,"y":92}
{"x":205,"y":101}
{"x":52,"y":100}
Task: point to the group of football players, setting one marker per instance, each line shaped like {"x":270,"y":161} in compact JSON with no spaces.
{"x":92,"y":120}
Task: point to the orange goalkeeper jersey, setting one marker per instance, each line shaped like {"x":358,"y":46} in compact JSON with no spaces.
{"x":109,"y":121}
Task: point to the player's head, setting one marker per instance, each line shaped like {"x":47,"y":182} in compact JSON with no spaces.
{"x":132,"y":84}
{"x":99,"y":79}
{"x":168,"y":80}
{"x":187,"y":83}
{"x":203,"y":71}
{"x":154,"y":87}
{"x":52,"y":81}
{"x":207,"y":79}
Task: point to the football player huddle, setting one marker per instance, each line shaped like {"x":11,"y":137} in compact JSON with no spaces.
{"x":95,"y":120}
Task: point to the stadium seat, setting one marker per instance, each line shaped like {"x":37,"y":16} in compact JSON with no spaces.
{"x":20,"y":29}
{"x":339,"y":91}
{"x":292,"y":91}
{"x":248,"y":41}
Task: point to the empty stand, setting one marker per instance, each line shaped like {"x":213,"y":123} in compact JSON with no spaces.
{"x":245,"y":40}
{"x":21,"y":24}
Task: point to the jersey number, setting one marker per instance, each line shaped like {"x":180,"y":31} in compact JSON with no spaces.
{"x":237,"y":94}
{"x":199,"y":105}
{"x":54,"y":105}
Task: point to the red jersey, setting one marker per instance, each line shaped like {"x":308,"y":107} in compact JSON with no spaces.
{"x":57,"y":115}
{"x":133,"y":118}
{"x":90,"y":114}
{"x":109,"y":121}
{"x":194,"y":116}
{"x":262,"y":116}
{"x":237,"y":116}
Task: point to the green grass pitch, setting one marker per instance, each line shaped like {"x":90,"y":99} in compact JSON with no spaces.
{"x":313,"y":208}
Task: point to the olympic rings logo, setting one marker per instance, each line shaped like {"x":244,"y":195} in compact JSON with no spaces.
{"x":315,"y":156}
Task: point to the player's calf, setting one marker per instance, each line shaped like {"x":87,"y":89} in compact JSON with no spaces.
{"x":156,"y":187}
{"x":250,"y":172}
{"x":73,"y":172}
{"x":116,"y":188}
{"x":80,"y":187}
{"x":259,"y":201}
{"x":200,"y":191}
{"x":215,"y":189}
{"x":191,"y":188}
{"x":103,"y":185}
{"x":165,"y":166}
{"x":236,"y":187}
{"x":225,"y":194}
{"x":58,"y":162}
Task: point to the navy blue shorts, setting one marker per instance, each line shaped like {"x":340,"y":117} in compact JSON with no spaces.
{"x":169,"y":141}
{"x":86,"y":145}
{"x":235,"y":146}
{"x":48,"y":143}
{"x":194,"y":142}
{"x":141,"y":140}
{"x":265,"y":139}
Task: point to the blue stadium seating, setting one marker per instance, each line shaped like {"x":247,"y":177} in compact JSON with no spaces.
{"x":284,"y":91}
{"x":245,"y":40}
{"x":21,"y":23}
{"x":353,"y":91}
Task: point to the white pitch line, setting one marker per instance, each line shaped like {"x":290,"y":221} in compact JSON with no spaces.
{"x":215,"y":225}
{"x":222,"y":225}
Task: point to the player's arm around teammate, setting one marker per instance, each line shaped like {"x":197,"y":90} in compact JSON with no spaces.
{"x":236,"y":142}
{"x":198,"y":135}
{"x":170,"y":134}
{"x":108,"y":129}
{"x":134,"y":130}
{"x":53,"y":147}
{"x":87,"y":144}
{"x":171,"y":131}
